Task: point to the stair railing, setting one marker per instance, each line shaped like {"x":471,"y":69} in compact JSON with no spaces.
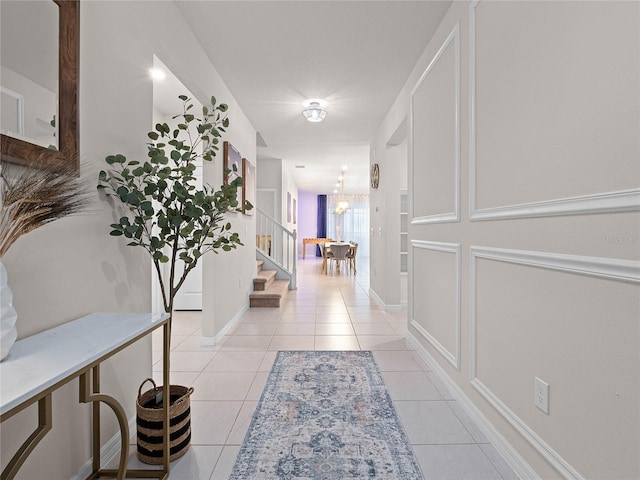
{"x":277,"y":243}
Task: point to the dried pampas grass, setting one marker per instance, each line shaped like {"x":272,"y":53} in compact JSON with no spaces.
{"x":32,"y":197}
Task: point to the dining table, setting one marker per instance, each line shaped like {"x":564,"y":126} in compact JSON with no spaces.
{"x":334,"y":247}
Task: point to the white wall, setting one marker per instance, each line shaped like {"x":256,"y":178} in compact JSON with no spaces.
{"x":307,"y":220}
{"x":289,"y":187}
{"x":269,"y":176}
{"x":73,"y":267}
{"x":525,"y":258}
{"x":391,"y":156}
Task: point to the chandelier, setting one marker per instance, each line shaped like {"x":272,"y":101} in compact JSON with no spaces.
{"x":342,"y":206}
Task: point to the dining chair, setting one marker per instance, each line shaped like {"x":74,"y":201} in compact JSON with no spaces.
{"x":351,"y":256}
{"x":326,"y":256}
{"x":340,"y":251}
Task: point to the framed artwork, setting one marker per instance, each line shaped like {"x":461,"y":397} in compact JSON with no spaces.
{"x":288,"y":207}
{"x":248,"y":185}
{"x":232,"y":165}
{"x":293,"y":208}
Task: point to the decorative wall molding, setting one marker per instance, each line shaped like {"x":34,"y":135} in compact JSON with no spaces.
{"x":610,"y":268}
{"x":446,"y":217}
{"x":519,"y":465}
{"x":606,"y":268}
{"x":602,"y":202}
{"x":610,"y":202}
{"x":453,"y":248}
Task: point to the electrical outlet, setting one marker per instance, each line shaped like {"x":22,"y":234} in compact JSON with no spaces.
{"x":541,"y":395}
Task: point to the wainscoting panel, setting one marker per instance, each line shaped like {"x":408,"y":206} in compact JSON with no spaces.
{"x":533,"y":58}
{"x":436,"y":300}
{"x":528,"y":310}
{"x":435,"y":138}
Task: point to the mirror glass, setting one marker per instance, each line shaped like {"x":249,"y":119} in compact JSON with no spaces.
{"x":29,"y":71}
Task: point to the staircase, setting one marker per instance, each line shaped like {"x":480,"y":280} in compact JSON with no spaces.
{"x":267,"y":291}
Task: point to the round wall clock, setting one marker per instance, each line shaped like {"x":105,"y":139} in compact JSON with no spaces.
{"x":375,"y":175}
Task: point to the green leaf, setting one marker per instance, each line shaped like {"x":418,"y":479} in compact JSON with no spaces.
{"x":153,"y":135}
{"x":184,"y":98}
{"x":223,"y":107}
{"x":150,"y":189}
{"x":132,"y":199}
{"x":122,"y":191}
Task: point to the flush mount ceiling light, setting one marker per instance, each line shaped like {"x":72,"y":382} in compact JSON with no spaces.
{"x":314,"y":112}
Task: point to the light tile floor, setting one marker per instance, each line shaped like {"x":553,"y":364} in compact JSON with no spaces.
{"x":326,"y":312}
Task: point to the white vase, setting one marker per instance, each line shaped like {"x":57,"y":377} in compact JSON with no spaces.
{"x":8,"y":316}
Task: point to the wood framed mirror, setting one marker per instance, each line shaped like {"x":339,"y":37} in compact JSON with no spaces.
{"x":66,"y":153}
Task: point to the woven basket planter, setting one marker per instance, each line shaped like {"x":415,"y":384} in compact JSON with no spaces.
{"x":149,"y":423}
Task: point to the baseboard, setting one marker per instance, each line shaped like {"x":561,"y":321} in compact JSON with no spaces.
{"x":236,"y":318}
{"x":508,"y":452}
{"x":392,"y":308}
{"x":109,"y":451}
{"x":379,"y":301}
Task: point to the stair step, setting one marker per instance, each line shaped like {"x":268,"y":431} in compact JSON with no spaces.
{"x":271,"y":297}
{"x":259,"y":264}
{"x":264,"y":279}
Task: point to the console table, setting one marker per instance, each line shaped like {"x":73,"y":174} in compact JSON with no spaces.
{"x":40,"y":364}
{"x":312,"y":241}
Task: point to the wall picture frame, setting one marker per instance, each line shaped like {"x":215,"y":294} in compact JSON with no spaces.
{"x":248,"y":186}
{"x":294,"y":211}
{"x":288,"y":207}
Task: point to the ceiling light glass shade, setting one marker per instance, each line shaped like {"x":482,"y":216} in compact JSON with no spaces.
{"x":314,"y":112}
{"x":341,"y":207}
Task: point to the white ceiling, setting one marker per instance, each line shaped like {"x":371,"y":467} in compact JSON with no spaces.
{"x":354,"y":55}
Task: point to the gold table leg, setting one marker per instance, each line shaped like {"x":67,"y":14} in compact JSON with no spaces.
{"x":87,"y":396}
{"x":44,"y":425}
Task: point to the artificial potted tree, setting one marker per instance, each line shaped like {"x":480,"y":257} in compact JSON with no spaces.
{"x":168,"y":216}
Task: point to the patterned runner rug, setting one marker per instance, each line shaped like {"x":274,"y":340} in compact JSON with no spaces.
{"x":325,"y":416}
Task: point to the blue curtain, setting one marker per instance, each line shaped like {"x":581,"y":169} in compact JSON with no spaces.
{"x":321,"y":221}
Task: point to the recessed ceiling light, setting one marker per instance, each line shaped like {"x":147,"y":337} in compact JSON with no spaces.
{"x":157,"y":74}
{"x":300,"y":166}
{"x":335,"y":191}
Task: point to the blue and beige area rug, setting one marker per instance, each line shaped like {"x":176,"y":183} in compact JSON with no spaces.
{"x":325,"y":416}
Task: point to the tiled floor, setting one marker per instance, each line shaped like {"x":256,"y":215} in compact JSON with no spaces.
{"x":331,"y":312}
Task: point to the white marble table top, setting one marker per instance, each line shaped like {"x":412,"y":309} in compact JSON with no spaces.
{"x":40,"y":361}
